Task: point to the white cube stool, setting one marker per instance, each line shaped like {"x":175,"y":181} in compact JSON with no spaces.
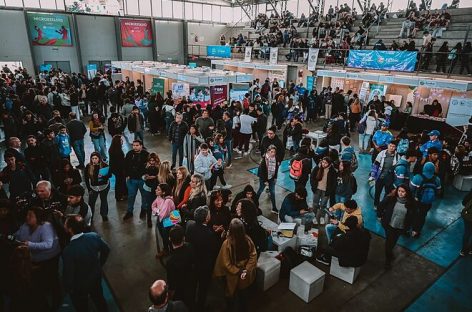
{"x":306,"y":281}
{"x":462,"y":183}
{"x":347,"y":274}
{"x":268,"y":270}
{"x":283,"y":242}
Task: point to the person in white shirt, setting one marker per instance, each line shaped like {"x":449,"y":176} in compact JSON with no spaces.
{"x":245,"y":132}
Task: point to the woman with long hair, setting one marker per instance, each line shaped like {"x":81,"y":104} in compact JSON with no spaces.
{"x":162,"y":206}
{"x":237,"y":262}
{"x":97,"y":184}
{"x":150,"y":178}
{"x":346,"y":184}
{"x":247,"y":193}
{"x":268,"y":169}
{"x":323,"y":185}
{"x":97,"y":134}
{"x":398,"y":213}
{"x":182,"y":187}
{"x":165,"y":174}
{"x":197,"y":196}
{"x":117,"y":167}
{"x":220,"y":214}
{"x":66,"y":176}
{"x":192,"y":141}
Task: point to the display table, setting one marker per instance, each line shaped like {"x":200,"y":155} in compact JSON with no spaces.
{"x":418,"y":123}
{"x":316,"y":135}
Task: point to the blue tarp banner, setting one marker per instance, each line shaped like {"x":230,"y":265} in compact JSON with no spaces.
{"x":383,"y":60}
{"x":219,"y":51}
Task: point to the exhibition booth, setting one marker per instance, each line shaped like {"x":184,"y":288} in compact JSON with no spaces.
{"x":201,"y":85}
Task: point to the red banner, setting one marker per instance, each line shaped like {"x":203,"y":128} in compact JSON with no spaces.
{"x":219,"y":94}
{"x":136,"y":33}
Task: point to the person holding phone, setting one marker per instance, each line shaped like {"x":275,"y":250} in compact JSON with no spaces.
{"x":97,"y":177}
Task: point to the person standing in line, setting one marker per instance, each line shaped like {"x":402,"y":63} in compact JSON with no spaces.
{"x":245,"y":132}
{"x":83,"y":260}
{"x":77,"y":131}
{"x":192,"y":141}
{"x":177,"y":131}
{"x":97,"y":134}
{"x":383,"y":171}
{"x":136,"y":124}
{"x":228,"y":139}
{"x":267,"y":172}
{"x":160,"y":298}
{"x":150,"y":178}
{"x":162,"y":206}
{"x":135,"y":165}
{"x":204,"y":163}
{"x":117,"y":167}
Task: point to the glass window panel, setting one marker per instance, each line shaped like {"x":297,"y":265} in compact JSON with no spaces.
{"x":292,"y":6}
{"x":145,"y":7}
{"x":188,"y":11}
{"x":226,"y":14}
{"x":60,"y":5}
{"x":197,"y":11}
{"x":31,"y":3}
{"x":216,"y":13}
{"x":14,"y":3}
{"x":178,"y":9}
{"x":237,"y":14}
{"x":166,"y":8}
{"x":303,"y":7}
{"x":132,"y":7}
{"x":206,"y":12}
{"x":46,"y":4}
{"x":157,"y":8}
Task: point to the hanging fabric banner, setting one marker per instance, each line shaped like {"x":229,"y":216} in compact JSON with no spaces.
{"x":312,"y":58}
{"x":247,"y":54}
{"x":274,"y":55}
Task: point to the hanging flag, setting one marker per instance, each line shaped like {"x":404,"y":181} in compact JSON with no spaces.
{"x":247,"y":54}
{"x":274,"y":55}
{"x":312,"y":58}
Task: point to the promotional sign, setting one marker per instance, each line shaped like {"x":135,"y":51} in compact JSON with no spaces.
{"x":180,"y":89}
{"x":312,"y":58}
{"x":383,"y":60}
{"x":136,"y":33}
{"x":377,"y":89}
{"x":158,"y":86}
{"x":460,"y":110}
{"x":91,"y":70}
{"x":274,"y":55}
{"x":247,"y":54}
{"x":192,"y":65}
{"x":49,"y":29}
{"x":219,"y":94}
{"x":200,"y":95}
{"x":219,"y":51}
{"x":310,"y":83}
{"x":110,"y":7}
{"x":45,"y":67}
{"x":363,"y":92}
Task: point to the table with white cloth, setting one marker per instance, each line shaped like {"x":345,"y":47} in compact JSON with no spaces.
{"x":317,"y":135}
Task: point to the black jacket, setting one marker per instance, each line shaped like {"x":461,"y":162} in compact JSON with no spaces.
{"x":177,"y":132}
{"x":192,"y":205}
{"x":181,"y":274}
{"x":352,"y":248}
{"x":132,"y":122}
{"x":385,"y":211}
{"x":262,"y":172}
{"x":76,"y":129}
{"x":135,"y":164}
{"x":331,"y":183}
{"x":266,"y":142}
{"x":206,"y":246}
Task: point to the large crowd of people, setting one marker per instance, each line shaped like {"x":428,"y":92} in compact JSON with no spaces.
{"x":45,"y":216}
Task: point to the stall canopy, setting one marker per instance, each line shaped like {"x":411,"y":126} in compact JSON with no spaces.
{"x":253,"y":65}
{"x":199,"y":76}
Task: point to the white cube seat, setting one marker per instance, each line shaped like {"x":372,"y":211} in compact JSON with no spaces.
{"x":347,"y":274}
{"x":268,"y":270}
{"x":306,"y":281}
{"x":462,"y":182}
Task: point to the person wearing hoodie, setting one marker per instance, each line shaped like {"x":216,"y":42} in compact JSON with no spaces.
{"x":294,"y":207}
{"x":267,"y":173}
{"x":63,"y":143}
{"x":381,"y":139}
{"x":402,"y":172}
{"x":204,"y":163}
{"x":425,"y":187}
{"x":382,"y":171}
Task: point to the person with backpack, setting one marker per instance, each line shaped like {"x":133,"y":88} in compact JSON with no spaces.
{"x":403,"y":142}
{"x":466,"y":215}
{"x":267,"y":172}
{"x":382,"y":171}
{"x":301,"y":166}
{"x":348,"y":153}
{"x":402,"y":172}
{"x":323,"y":185}
{"x":424,"y":186}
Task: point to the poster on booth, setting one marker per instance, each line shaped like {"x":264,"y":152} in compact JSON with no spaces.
{"x":218,"y":95}
{"x":136,"y":33}
{"x":91,"y":70}
{"x":310,"y":83}
{"x":157,"y":86}
{"x":363,"y":92}
{"x":274,"y":56}
{"x":247,"y":54}
{"x":459,"y":112}
{"x":312,"y":58}
{"x":200,"y":95}
{"x":49,"y":29}
{"x":179,"y":90}
{"x":377,"y":89}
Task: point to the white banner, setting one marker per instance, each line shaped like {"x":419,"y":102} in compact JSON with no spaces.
{"x":274,"y":55}
{"x":312,"y":58}
{"x":459,"y":112}
{"x":247,"y":54}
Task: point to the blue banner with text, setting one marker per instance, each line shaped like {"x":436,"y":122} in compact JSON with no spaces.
{"x":219,"y":51}
{"x":383,"y":60}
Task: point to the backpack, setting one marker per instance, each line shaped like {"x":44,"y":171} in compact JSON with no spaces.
{"x":427,"y":191}
{"x":466,"y":213}
{"x":361,"y":127}
{"x":403,"y":146}
{"x":56,"y":99}
{"x":296,"y":169}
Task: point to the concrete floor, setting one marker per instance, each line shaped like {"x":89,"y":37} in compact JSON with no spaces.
{"x":131,"y":267}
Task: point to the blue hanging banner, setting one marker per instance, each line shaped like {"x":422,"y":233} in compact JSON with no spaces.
{"x":219,"y":51}
{"x":383,"y":60}
{"x":310,"y":82}
{"x":45,"y":67}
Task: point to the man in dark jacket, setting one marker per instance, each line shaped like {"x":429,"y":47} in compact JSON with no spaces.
{"x":267,"y":173}
{"x":77,"y":131}
{"x":294,"y":207}
{"x":35,"y":160}
{"x":83,"y":259}
{"x":228,"y":138}
{"x":303,"y":158}
{"x":136,"y":124}
{"x":261,"y":125}
{"x":135,"y":165}
{"x":272,"y":139}
{"x":160,"y":298}
{"x":206,"y":246}
{"x":338,"y":103}
{"x":177,"y":131}
{"x":50,"y":150}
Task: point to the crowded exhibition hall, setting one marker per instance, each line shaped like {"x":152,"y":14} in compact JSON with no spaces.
{"x":235,"y":155}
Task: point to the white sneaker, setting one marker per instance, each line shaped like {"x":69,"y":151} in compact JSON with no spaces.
{"x":227,"y":186}
{"x":245,"y":154}
{"x":236,"y":150}
{"x":216,"y":187}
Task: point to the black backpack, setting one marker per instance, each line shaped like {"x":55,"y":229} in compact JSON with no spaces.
{"x":288,"y":260}
{"x":56,"y":99}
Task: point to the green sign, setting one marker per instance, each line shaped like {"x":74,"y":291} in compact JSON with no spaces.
{"x":49,"y":29}
{"x":157,"y":86}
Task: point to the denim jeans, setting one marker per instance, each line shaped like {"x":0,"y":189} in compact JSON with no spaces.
{"x":177,"y":148}
{"x":133,"y":186}
{"x":139,"y":135}
{"x":229,"y":153}
{"x":379,"y":186}
{"x":320,"y":200}
{"x":79,"y":150}
{"x":364,"y":141}
{"x":93,"y":195}
{"x":271,"y":191}
{"x":99,"y":146}
{"x":330,"y":228}
{"x":147,"y":199}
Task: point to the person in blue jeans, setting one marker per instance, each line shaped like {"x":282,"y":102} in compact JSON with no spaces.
{"x":177,"y":131}
{"x":267,"y":173}
{"x":340,"y":212}
{"x":228,"y":138}
{"x":135,"y":167}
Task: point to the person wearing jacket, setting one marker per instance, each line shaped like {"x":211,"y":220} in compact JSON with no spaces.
{"x":162,"y":206}
{"x":192,"y":141}
{"x":272,"y":139}
{"x":342,"y":211}
{"x":177,"y":131}
{"x":346,"y":183}
{"x":303,"y":155}
{"x":398,"y":213}
{"x":267,"y":173}
{"x":433,"y":142}
{"x":370,"y":121}
{"x":63,"y":143}
{"x":323,"y":185}
{"x":204,"y":163}
{"x":380,"y":139}
{"x":247,"y":193}
{"x":97,"y":184}
{"x":402,"y":172}
{"x":77,"y":130}
{"x":466,"y":217}
{"x":294,"y":206}
{"x":294,"y":130}
{"x":136,"y":124}
{"x":419,"y":186}
{"x":382,"y":171}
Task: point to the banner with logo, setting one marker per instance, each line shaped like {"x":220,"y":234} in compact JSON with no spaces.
{"x":180,"y":89}
{"x":363,"y":92}
{"x":49,"y":29}
{"x":219,"y":51}
{"x":459,"y":112}
{"x":274,"y":56}
{"x":200,"y":95}
{"x":377,"y":89}
{"x":158,"y":86}
{"x":383,"y":60}
{"x":310,"y":83}
{"x":91,"y":70}
{"x":219,"y":94}
{"x":247,"y":54}
{"x":136,"y":33}
{"x":45,"y":67}
{"x":312,"y":58}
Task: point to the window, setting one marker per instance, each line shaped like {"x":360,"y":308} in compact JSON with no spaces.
{"x":178,"y":9}
{"x":45,"y":4}
{"x":132,"y":7}
{"x":188,"y":11}
{"x":226,"y":14}
{"x":216,"y":13}
{"x":15,"y":3}
{"x":145,"y":7}
{"x":157,"y":8}
{"x":166,"y":8}
{"x":197,"y":11}
{"x":31,"y":3}
{"x":206,"y":12}
{"x":237,"y":14}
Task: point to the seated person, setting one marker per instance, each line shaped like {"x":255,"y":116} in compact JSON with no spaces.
{"x":342,"y":211}
{"x":351,"y":248}
{"x":294,"y":207}
{"x":248,"y":193}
